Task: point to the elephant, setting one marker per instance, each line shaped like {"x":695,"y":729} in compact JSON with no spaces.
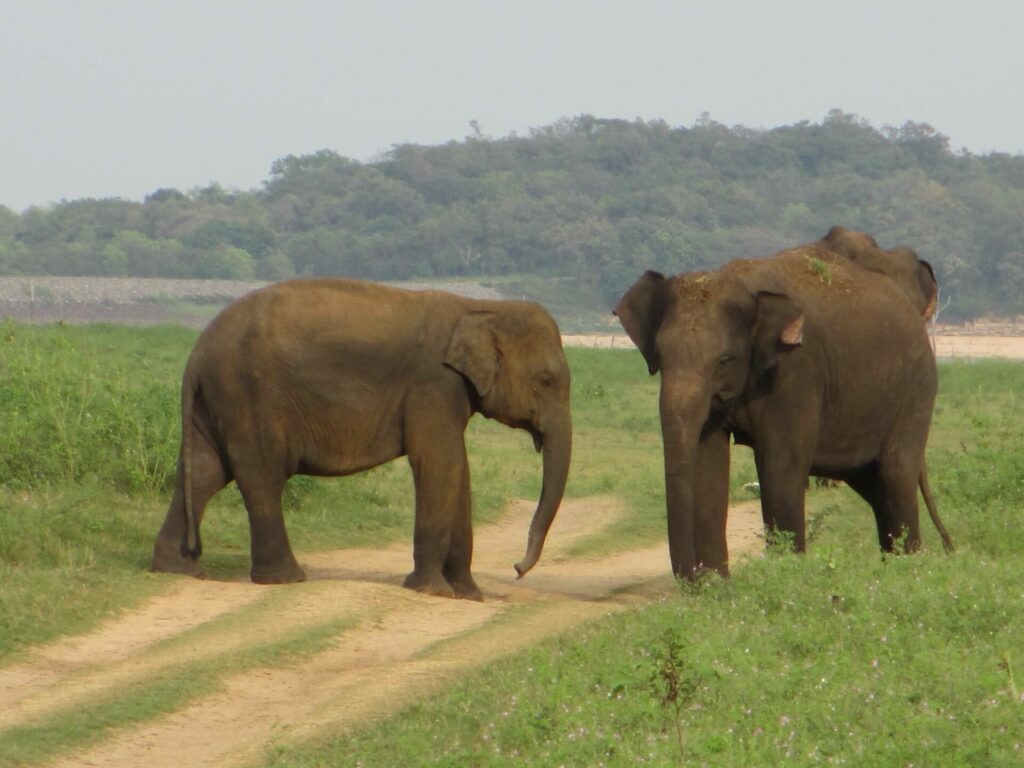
{"x":332,"y":376}
{"x":914,"y":276}
{"x":820,"y":366}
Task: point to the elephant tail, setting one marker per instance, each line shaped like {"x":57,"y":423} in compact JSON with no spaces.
{"x":189,"y":389}
{"x":933,"y":512}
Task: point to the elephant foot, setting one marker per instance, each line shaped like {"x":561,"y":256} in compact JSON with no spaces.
{"x":183,"y":565}
{"x":465,"y":588}
{"x":289,"y":573}
{"x":170,"y":560}
{"x":429,"y":584}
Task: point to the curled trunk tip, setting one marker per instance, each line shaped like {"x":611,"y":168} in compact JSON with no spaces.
{"x":535,"y":544}
{"x":532,"y":556}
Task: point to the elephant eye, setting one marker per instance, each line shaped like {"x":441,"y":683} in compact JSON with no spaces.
{"x":724,"y":360}
{"x":547,"y":380}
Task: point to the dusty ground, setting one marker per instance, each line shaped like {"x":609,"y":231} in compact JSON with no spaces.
{"x":960,"y":342}
{"x":402,"y":645}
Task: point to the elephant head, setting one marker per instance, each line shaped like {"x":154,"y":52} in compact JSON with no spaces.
{"x":914,"y":276}
{"x":512,"y":356}
{"x":714,"y":337}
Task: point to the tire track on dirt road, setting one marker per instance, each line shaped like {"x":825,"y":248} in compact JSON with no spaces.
{"x":403,"y":646}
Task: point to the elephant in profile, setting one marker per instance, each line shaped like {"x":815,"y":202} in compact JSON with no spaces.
{"x":331,"y":377}
{"x":914,"y":276}
{"x":820,"y":366}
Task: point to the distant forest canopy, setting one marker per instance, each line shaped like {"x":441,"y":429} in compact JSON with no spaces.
{"x":590,"y":201}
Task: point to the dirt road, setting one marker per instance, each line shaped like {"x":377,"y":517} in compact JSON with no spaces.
{"x":398,"y":645}
{"x":950,"y":343}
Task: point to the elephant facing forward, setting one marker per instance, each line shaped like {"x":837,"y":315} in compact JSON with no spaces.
{"x":819,"y":365}
{"x":331,"y":377}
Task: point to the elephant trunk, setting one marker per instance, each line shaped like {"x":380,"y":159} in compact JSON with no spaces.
{"x":557,"y":454}
{"x":684,"y":410}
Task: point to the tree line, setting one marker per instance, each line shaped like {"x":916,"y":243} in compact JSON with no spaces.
{"x":591,"y":201}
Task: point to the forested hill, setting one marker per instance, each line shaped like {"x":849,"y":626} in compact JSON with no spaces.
{"x":588,"y":201}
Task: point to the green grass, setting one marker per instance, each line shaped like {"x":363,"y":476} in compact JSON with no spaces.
{"x":838,"y":657}
{"x":90,"y":405}
{"x":68,"y":559}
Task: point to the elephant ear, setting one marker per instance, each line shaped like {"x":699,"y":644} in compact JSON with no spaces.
{"x":473,"y":350}
{"x":929,"y":288}
{"x":914,"y":276}
{"x":639,"y":311}
{"x":779,"y":326}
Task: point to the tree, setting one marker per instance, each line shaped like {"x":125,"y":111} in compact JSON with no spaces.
{"x":275,"y":265}
{"x":252,"y":237}
{"x":585,"y":199}
{"x":226,"y":262}
{"x":132,"y":253}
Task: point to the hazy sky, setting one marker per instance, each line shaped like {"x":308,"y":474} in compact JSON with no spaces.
{"x":117,"y":99}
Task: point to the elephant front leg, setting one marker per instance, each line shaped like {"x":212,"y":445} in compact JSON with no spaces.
{"x":782,"y":475}
{"x":460,"y":548}
{"x":711,"y":502}
{"x":696,"y":490}
{"x":443,"y":537}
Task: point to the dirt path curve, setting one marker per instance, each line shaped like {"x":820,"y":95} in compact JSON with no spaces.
{"x":398,"y":646}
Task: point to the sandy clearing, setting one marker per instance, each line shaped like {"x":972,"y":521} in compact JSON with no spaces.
{"x":948,"y":345}
{"x":404,"y":645}
{"x":979,"y":347}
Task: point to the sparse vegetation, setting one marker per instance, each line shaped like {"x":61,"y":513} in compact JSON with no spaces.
{"x":820,"y":268}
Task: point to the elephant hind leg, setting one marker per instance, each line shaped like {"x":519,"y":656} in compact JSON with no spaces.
{"x":865,"y":483}
{"x":209,"y":475}
{"x":893,"y":498}
{"x":898,"y":485}
{"x":272,"y":559}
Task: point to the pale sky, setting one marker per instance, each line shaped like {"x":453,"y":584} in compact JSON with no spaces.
{"x":117,"y":99}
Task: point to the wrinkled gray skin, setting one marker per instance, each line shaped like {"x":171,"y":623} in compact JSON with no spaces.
{"x":331,"y":377}
{"x":820,"y":366}
{"x":914,"y":276}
